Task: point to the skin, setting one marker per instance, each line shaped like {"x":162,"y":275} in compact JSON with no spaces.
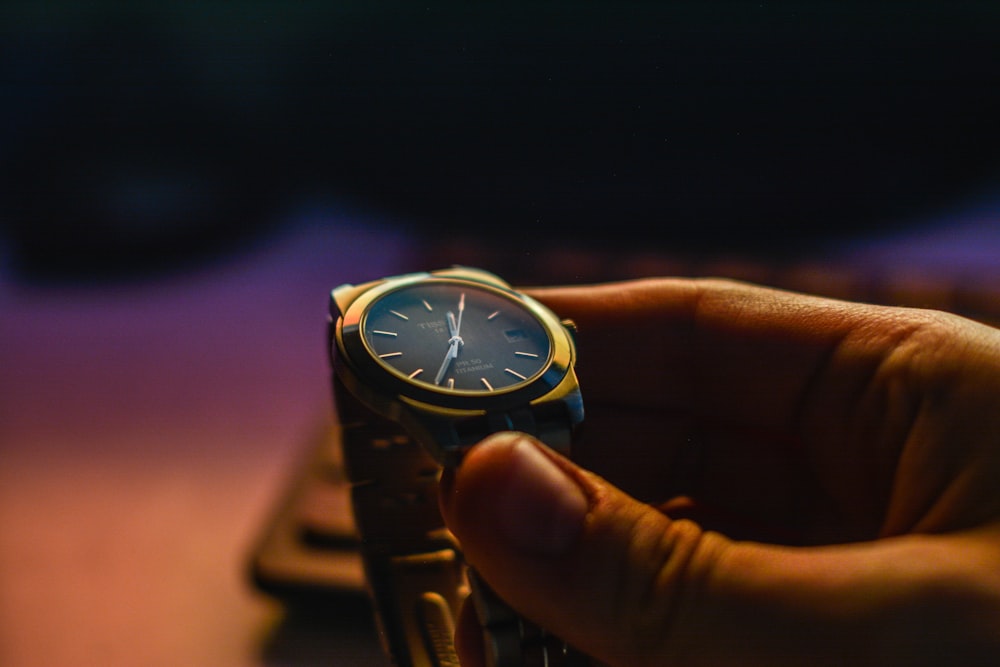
{"x":765,"y":478}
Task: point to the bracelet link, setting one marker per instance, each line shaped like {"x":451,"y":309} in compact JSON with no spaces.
{"x":509,"y":640}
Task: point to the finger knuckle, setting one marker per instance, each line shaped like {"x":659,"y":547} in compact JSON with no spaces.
{"x":667,"y":570}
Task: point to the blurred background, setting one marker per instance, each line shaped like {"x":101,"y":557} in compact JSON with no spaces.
{"x":138,"y":134}
{"x":182,"y":183}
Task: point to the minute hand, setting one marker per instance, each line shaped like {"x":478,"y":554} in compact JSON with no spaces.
{"x":451,"y":354}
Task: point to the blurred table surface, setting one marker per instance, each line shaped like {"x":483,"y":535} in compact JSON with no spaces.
{"x":147,"y":428}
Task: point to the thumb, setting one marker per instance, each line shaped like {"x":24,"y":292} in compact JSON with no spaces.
{"x":625,"y":584}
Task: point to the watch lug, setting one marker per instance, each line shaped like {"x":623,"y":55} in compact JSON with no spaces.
{"x":340,"y":298}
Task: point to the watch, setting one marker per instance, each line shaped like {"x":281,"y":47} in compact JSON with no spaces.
{"x":424,"y":366}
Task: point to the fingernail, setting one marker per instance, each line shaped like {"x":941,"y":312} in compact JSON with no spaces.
{"x":539,"y":508}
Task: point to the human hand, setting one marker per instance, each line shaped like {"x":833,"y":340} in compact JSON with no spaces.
{"x":765,"y":478}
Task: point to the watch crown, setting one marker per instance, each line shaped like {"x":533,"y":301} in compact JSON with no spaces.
{"x":570,"y":327}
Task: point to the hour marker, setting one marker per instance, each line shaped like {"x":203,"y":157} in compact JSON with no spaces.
{"x":486,"y":383}
{"x":416,"y":373}
{"x":426,"y":305}
{"x":399,"y":314}
{"x":515,"y":374}
{"x":389,"y":355}
{"x":451,"y":383}
{"x":526,"y":354}
{"x":493,"y":314}
{"x":384,"y":333}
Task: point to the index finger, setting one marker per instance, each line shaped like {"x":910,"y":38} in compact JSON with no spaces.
{"x":741,"y":396}
{"x":796,"y":410}
{"x":719,"y":349}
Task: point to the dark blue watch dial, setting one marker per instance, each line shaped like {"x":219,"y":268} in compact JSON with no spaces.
{"x":457,"y":337}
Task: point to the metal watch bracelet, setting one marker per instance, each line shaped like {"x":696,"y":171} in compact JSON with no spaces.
{"x":413,"y":565}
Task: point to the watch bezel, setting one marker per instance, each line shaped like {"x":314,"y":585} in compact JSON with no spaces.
{"x":381,"y":378}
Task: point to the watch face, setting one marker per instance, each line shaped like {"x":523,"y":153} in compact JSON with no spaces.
{"x":456,"y":337}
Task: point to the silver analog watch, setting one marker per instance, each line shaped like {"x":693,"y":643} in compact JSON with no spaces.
{"x":424,"y":366}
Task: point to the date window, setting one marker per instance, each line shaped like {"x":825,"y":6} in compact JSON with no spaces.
{"x":514,"y":335}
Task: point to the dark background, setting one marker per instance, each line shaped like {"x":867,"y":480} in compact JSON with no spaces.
{"x":138,"y":135}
